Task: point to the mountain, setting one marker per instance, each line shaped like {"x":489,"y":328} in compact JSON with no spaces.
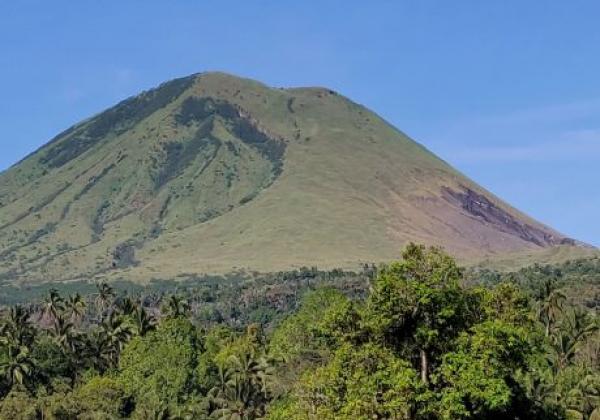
{"x":212,"y":173}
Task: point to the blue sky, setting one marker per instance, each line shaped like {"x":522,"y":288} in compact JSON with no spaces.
{"x":506,"y":91}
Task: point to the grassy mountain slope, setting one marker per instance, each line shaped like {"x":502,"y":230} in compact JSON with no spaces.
{"x":212,"y":173}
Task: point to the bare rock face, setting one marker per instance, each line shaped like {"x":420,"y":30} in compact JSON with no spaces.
{"x":480,"y":207}
{"x":213,"y":173}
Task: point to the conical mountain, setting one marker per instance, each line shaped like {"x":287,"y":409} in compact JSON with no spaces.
{"x":211,"y":173}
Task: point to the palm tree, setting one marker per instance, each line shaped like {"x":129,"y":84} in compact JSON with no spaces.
{"x":143,"y":322}
{"x":176,"y":306}
{"x":18,"y":330}
{"x":71,"y":345}
{"x":63,"y":334}
{"x":114,"y":333}
{"x":256,"y":370}
{"x":585,"y":396}
{"x":126,"y":306}
{"x":96,"y":351}
{"x":551,"y":308}
{"x":564,"y":348}
{"x":75,"y":307}
{"x":18,"y":366}
{"x":17,"y":335}
{"x":105,"y":296}
{"x":574,"y":329}
{"x":53,"y":305}
{"x":225,"y":399}
{"x":580,"y":323}
{"x":242,"y":391}
{"x":541,"y":387}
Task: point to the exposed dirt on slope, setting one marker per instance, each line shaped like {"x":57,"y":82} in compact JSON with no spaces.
{"x":479,"y":206}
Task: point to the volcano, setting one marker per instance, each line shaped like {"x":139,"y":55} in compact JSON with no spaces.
{"x":213,"y":173}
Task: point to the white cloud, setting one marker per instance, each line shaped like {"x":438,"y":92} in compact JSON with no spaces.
{"x":552,"y":134}
{"x":573,"y":145}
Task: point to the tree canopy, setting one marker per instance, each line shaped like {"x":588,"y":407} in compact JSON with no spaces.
{"x":423,"y":341}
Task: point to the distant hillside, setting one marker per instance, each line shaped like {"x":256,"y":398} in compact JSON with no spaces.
{"x":212,"y":173}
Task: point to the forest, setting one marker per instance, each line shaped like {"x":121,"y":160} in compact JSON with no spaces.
{"x":419,"y":338}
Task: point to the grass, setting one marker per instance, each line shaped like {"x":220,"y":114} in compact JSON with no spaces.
{"x":215,"y":173}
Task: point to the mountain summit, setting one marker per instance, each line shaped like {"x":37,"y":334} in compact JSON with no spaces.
{"x":212,"y":173}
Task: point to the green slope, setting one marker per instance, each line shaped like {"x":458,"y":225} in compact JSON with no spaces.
{"x":212,"y":173}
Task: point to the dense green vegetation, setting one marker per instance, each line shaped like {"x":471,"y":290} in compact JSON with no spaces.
{"x":578,"y":279}
{"x":419,"y":339}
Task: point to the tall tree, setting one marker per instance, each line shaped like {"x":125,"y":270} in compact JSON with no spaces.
{"x":143,"y":322}
{"x":104,"y":297}
{"x":550,"y":309}
{"x":18,"y":330}
{"x":176,"y":306}
{"x":243,"y":388}
{"x":417,"y":305}
{"x":126,"y":305}
{"x":18,"y":367}
{"x":17,"y":335}
{"x":75,"y":307}
{"x":53,"y":305}
{"x":115,"y":333}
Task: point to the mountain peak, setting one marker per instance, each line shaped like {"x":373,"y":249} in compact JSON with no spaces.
{"x":213,"y":172}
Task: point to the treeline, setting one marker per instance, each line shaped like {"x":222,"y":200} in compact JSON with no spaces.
{"x":235,"y":300}
{"x":413,"y":342}
{"x":579,"y":279}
